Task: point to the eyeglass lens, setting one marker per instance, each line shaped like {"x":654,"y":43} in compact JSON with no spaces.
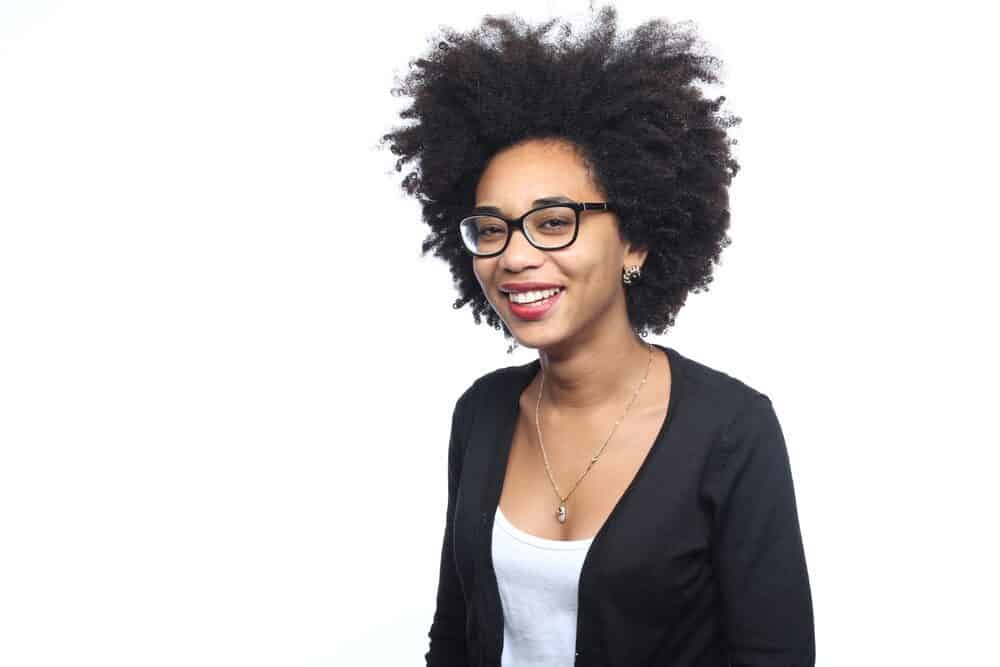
{"x":547,"y":228}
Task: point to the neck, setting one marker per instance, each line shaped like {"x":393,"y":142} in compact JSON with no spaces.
{"x":594,"y":375}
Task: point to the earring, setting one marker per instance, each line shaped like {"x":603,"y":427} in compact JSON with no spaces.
{"x":631,"y":274}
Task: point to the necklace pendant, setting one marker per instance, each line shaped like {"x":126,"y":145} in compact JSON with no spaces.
{"x":561,"y":514}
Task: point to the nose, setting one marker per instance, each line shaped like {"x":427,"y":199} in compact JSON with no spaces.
{"x":520,"y":252}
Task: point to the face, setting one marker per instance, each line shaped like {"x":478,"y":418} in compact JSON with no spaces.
{"x":589,"y":272}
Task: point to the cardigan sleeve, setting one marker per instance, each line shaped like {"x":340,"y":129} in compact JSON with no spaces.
{"x":447,"y":631}
{"x":757,"y":552}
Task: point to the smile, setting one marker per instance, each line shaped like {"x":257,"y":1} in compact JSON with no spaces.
{"x":534,"y":305}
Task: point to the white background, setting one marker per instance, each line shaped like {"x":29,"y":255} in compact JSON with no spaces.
{"x":224,"y":409}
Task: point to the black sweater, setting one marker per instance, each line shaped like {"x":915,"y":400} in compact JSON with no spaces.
{"x":700,"y":563}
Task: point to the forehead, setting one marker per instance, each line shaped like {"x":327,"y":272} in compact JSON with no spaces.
{"x":515,"y":177}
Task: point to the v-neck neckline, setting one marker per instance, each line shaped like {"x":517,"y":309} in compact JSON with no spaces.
{"x":523,"y":376}
{"x":490,"y":499}
{"x":526,"y":373}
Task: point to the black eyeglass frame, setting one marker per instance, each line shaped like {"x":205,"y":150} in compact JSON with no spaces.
{"x":518,"y":223}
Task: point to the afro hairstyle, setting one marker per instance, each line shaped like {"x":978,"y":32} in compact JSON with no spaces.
{"x":652,"y":143}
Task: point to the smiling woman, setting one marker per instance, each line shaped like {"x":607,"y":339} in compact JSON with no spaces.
{"x":578,"y":191}
{"x":659,"y":151}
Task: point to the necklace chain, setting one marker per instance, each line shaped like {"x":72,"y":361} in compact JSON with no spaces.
{"x":561,"y":513}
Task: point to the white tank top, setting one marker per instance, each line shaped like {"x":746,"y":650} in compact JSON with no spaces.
{"x":538,"y":580}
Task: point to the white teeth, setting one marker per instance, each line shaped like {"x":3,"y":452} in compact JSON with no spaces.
{"x":529,"y":297}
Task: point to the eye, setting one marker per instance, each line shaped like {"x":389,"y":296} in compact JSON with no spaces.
{"x":486,"y":231}
{"x":554,"y":226}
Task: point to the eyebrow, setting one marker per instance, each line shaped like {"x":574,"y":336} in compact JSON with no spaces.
{"x":542,"y":201}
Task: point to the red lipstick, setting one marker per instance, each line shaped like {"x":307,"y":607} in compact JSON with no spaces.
{"x":535,"y":310}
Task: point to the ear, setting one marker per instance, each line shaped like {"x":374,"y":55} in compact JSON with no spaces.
{"x":635,"y":255}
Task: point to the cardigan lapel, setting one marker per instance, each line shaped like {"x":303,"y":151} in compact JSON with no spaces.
{"x":506,"y":395}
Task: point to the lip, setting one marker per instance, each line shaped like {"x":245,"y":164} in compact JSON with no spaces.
{"x":535,"y":311}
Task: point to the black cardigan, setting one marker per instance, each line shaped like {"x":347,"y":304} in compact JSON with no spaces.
{"x":699,"y":564}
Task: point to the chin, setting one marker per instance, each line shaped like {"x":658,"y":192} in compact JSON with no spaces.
{"x":538,"y":340}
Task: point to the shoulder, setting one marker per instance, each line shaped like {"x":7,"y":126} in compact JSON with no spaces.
{"x":497,"y":384}
{"x":715,"y":395}
{"x":505,"y":378}
{"x":743,"y":430}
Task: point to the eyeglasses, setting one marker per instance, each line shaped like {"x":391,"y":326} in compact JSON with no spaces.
{"x":548,"y":227}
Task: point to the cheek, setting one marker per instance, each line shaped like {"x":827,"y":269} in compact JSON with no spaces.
{"x":483,"y":270}
{"x":593,"y":271}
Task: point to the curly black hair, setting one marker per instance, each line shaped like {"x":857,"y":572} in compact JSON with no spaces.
{"x":651,"y":141}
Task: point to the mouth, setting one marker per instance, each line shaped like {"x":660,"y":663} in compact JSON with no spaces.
{"x":534,"y":304}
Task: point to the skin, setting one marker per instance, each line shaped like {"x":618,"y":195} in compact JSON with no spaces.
{"x":592,"y":359}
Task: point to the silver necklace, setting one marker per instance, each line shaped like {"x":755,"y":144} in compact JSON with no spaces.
{"x":561,"y":512}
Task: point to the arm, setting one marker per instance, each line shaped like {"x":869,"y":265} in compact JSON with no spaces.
{"x":447,"y":632}
{"x":766,"y":603}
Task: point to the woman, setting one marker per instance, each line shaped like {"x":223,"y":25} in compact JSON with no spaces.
{"x":612,"y":502}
